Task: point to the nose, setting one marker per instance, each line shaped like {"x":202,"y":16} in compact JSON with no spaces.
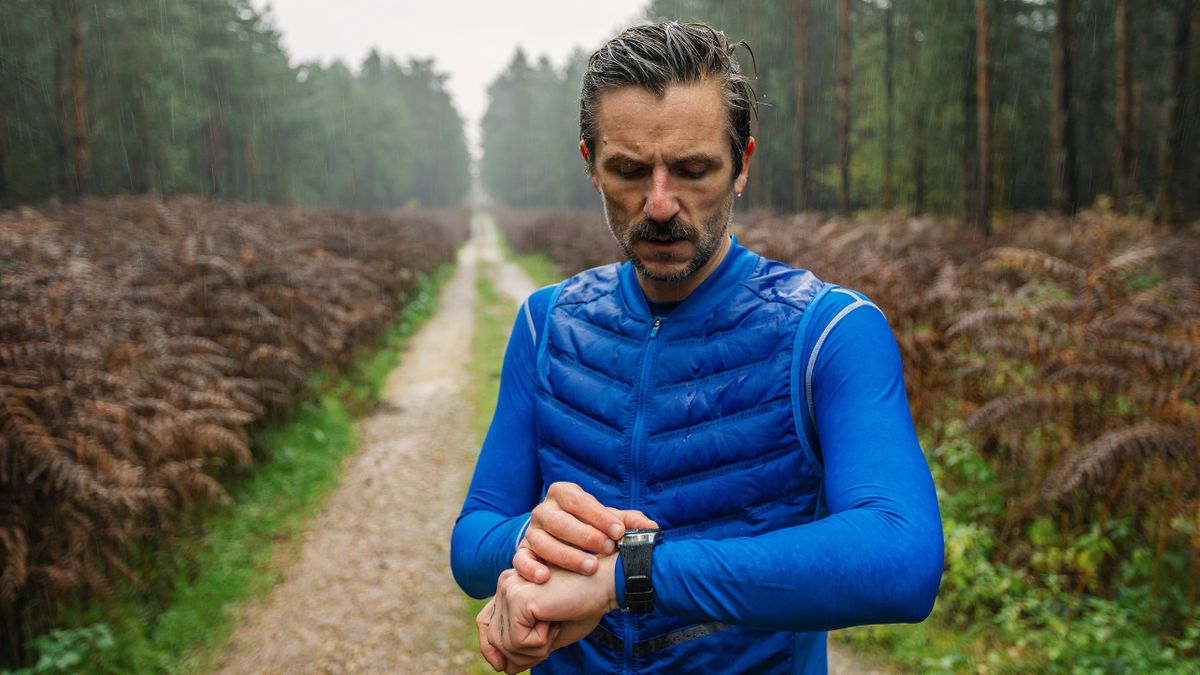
{"x":661,"y":203}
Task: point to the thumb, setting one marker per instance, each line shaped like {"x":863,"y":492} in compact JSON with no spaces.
{"x":636,"y":520}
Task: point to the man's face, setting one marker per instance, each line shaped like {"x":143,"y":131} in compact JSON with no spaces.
{"x":664,"y":169}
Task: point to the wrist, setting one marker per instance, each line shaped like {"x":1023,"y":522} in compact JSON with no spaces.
{"x":607,"y":574}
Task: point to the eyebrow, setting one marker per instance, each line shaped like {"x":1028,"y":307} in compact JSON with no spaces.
{"x":712,"y":161}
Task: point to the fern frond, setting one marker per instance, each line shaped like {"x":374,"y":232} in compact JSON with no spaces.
{"x":1095,"y":465}
{"x":1036,"y":262}
{"x":979,"y":320}
{"x":1124,"y":263}
{"x":1110,"y":378}
{"x":1014,"y":408}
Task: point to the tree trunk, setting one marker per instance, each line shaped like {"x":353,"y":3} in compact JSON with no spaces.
{"x":1166,"y":205}
{"x":758,"y":195}
{"x":1062,"y":151}
{"x":983,"y":85}
{"x":82,"y":151}
{"x":1122,"y":171}
{"x":62,"y":174}
{"x":917,"y":154}
{"x":889,"y":92}
{"x":844,"y":108}
{"x":214,"y":134}
{"x":800,"y":14}
{"x":970,"y":124}
{"x":1193,"y":114}
{"x":3,"y":135}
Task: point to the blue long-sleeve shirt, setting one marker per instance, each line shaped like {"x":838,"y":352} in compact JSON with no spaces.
{"x":875,"y":558}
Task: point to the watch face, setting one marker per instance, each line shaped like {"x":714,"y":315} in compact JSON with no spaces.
{"x":636,"y":537}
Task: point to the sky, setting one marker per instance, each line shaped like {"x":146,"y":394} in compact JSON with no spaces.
{"x":471,"y":41}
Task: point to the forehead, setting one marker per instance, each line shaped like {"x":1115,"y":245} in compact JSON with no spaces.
{"x":685,"y":118}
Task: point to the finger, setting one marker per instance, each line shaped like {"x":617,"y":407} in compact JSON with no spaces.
{"x":490,"y":654}
{"x":519,"y":664}
{"x":556,"y":553}
{"x":493,"y":656}
{"x":567,"y":528}
{"x":529,"y":567}
{"x":575,"y":501}
{"x":636,"y":520}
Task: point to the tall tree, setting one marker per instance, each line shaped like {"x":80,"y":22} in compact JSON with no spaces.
{"x":78,"y":100}
{"x":844,"y":105}
{"x":800,"y":18}
{"x":889,"y":98}
{"x":1166,"y":204}
{"x":62,"y":163}
{"x":756,"y":183}
{"x":1122,"y":171}
{"x":983,"y":87}
{"x":916,"y":126}
{"x":1062,"y":125}
{"x":970,"y":121}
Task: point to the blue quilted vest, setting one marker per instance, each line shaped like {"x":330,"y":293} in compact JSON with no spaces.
{"x":696,"y":420}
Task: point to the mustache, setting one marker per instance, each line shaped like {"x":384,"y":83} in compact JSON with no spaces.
{"x":673,"y":228}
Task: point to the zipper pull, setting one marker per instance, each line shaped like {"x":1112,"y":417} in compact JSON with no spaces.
{"x":655,"y":327}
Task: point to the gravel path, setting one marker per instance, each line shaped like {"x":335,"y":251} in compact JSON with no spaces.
{"x":371,"y":591}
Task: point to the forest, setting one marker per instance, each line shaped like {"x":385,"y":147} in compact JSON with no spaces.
{"x":141,"y":96}
{"x":203,"y":240}
{"x":937,"y":106}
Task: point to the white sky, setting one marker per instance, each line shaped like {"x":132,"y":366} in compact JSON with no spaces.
{"x":472,"y":41}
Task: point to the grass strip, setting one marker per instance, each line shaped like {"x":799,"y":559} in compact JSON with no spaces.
{"x":177,"y":620}
{"x":493,"y":320}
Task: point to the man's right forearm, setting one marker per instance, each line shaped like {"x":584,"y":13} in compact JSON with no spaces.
{"x":481,"y":547}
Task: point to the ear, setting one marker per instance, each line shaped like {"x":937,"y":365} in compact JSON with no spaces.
{"x":739,"y":183}
{"x":584,"y":151}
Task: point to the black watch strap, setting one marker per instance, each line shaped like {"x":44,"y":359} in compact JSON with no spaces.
{"x":637,"y":551}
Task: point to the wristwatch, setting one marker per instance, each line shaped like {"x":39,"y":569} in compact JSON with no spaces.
{"x":637,"y":547}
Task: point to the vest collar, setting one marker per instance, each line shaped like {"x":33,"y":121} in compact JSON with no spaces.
{"x":738,"y":263}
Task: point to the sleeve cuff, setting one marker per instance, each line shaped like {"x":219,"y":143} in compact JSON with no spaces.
{"x":619,"y":582}
{"x":521,"y":534}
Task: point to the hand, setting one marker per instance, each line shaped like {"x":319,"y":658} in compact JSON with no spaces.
{"x":536,"y":643}
{"x":566,"y":528}
{"x":526,"y":621}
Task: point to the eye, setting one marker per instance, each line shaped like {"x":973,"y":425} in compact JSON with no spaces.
{"x":693,"y":170}
{"x":630,"y":171}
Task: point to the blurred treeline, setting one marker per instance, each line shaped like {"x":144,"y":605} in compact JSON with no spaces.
{"x":197,"y":96}
{"x":1101,"y":107}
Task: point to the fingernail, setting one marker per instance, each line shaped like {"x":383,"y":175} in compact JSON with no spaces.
{"x":609,"y":546}
{"x":616,"y":531}
{"x":540,"y":575}
{"x":589,"y":565}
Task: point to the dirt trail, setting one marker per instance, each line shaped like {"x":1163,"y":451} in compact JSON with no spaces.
{"x":371,"y":590}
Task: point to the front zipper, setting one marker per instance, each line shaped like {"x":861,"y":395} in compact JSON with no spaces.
{"x":634,"y":447}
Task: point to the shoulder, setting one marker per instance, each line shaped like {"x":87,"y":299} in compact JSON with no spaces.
{"x":583,"y":287}
{"x":776,"y":282}
{"x":590,"y":284}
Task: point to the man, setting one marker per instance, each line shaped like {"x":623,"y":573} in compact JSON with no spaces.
{"x":738,"y":426}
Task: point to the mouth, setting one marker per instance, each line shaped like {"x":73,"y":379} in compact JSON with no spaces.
{"x":663,"y":239}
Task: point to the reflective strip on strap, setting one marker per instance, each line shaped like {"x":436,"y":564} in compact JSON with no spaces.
{"x":661,"y":642}
{"x":812,"y":359}
{"x":529,"y":318}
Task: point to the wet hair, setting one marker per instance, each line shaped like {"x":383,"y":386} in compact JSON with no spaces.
{"x":656,"y":56}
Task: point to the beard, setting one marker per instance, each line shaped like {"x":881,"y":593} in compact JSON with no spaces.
{"x":705,"y":239}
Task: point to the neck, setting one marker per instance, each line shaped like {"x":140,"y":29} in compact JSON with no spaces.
{"x":676,"y":291}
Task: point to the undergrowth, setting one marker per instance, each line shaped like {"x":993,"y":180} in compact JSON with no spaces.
{"x":182,"y":611}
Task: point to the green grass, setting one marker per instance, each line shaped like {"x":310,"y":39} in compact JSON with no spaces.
{"x":493,"y":319}
{"x":180,"y":616}
{"x":538,"y":266}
